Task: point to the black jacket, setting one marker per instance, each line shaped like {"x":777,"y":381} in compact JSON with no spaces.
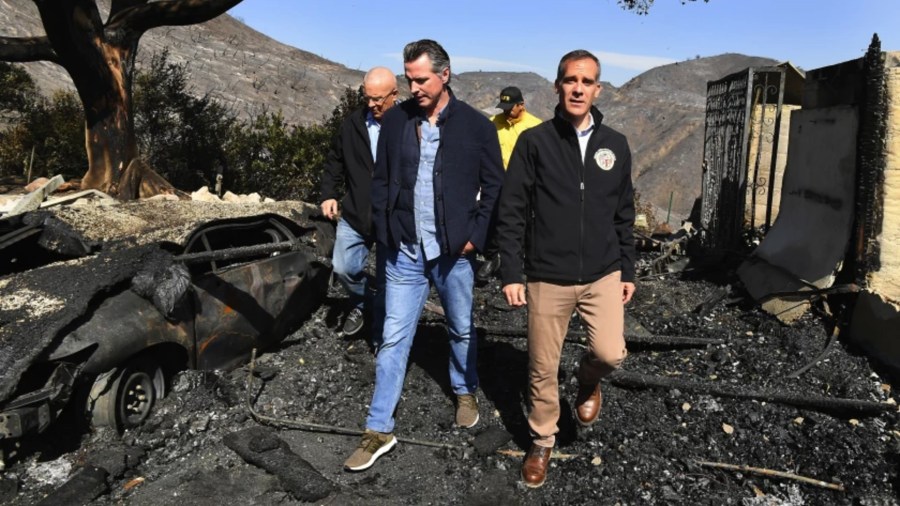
{"x":468,"y":160}
{"x":580,"y":225}
{"x":349,"y":162}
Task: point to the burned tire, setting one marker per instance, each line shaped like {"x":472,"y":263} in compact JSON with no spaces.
{"x":124,"y":397}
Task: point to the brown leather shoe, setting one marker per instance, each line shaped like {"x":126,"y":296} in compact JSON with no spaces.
{"x":587,"y":404}
{"x":534,"y":469}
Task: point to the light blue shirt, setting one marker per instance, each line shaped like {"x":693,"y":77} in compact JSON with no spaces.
{"x":374,"y":129}
{"x":426,"y":230}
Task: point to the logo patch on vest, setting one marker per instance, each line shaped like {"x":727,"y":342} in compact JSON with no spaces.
{"x":605,"y":158}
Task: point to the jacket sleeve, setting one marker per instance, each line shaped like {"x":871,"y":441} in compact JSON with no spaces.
{"x":490,"y":176}
{"x":512,"y":218}
{"x":380,"y":187}
{"x":333,"y":171}
{"x":624,"y":219}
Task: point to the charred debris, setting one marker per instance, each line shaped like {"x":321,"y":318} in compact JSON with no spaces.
{"x":701,"y":350}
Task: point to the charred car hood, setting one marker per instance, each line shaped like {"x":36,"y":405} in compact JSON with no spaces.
{"x":40,"y":305}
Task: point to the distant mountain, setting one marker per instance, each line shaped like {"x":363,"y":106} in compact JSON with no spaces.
{"x":482,"y":90}
{"x":661,"y":111}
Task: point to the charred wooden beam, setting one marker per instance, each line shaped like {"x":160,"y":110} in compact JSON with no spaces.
{"x":628,"y":379}
{"x":580,"y":336}
{"x":870,"y":163}
{"x":813,"y":292}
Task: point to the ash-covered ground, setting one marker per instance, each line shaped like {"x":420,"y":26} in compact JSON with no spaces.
{"x":644,"y":450}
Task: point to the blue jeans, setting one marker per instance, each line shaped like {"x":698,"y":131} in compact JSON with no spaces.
{"x":405,"y":293}
{"x":351,"y":252}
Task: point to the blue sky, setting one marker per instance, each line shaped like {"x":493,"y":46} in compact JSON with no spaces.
{"x":533,"y":35}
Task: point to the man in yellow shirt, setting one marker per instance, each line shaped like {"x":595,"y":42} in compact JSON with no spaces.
{"x":512,"y":121}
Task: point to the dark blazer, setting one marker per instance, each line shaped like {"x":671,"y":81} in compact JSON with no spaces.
{"x":468,"y":160}
{"x":349,"y":162}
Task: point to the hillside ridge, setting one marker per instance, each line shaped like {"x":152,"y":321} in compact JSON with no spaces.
{"x":662,"y":111}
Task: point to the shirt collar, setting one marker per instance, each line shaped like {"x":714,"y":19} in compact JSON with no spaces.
{"x":370,"y":120}
{"x":560,"y":118}
{"x":586,"y":131}
{"x":512,"y":121}
{"x":442,"y":116}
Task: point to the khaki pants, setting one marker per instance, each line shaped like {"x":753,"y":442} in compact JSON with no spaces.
{"x":550,"y":308}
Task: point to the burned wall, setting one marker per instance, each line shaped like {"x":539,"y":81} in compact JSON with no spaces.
{"x":839,"y":219}
{"x":875,"y":323}
{"x":886,"y":280}
{"x":822,"y":207}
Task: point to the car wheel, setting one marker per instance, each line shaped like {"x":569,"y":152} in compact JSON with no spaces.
{"x":124,"y":397}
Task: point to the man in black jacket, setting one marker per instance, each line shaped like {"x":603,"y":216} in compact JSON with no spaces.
{"x":574,"y":173}
{"x":350,"y":163}
{"x":434,"y":155}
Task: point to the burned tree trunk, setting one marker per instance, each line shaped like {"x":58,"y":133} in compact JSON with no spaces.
{"x":100,"y":58}
{"x":102,"y":67}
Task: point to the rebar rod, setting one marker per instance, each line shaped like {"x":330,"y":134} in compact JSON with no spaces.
{"x":825,"y":350}
{"x":237,"y":252}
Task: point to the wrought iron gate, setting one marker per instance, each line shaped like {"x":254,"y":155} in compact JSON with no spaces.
{"x":729,"y":106}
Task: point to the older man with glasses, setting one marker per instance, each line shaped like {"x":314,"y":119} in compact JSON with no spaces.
{"x":350,"y":163}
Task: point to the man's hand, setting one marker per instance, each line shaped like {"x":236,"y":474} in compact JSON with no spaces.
{"x":330,"y":209}
{"x":468,"y":248}
{"x":627,"y":292}
{"x":515,"y":294}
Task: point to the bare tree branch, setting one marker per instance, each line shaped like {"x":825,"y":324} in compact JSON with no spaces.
{"x":71,"y":27}
{"x":120,"y":5}
{"x":642,"y":7}
{"x":141,"y":18}
{"x":25,"y":49}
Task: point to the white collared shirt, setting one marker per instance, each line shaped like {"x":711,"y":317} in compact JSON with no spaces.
{"x":584,"y":136}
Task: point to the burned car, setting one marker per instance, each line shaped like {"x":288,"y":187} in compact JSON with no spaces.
{"x":103,"y":331}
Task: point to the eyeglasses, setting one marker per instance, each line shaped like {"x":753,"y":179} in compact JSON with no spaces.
{"x":379,"y":100}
